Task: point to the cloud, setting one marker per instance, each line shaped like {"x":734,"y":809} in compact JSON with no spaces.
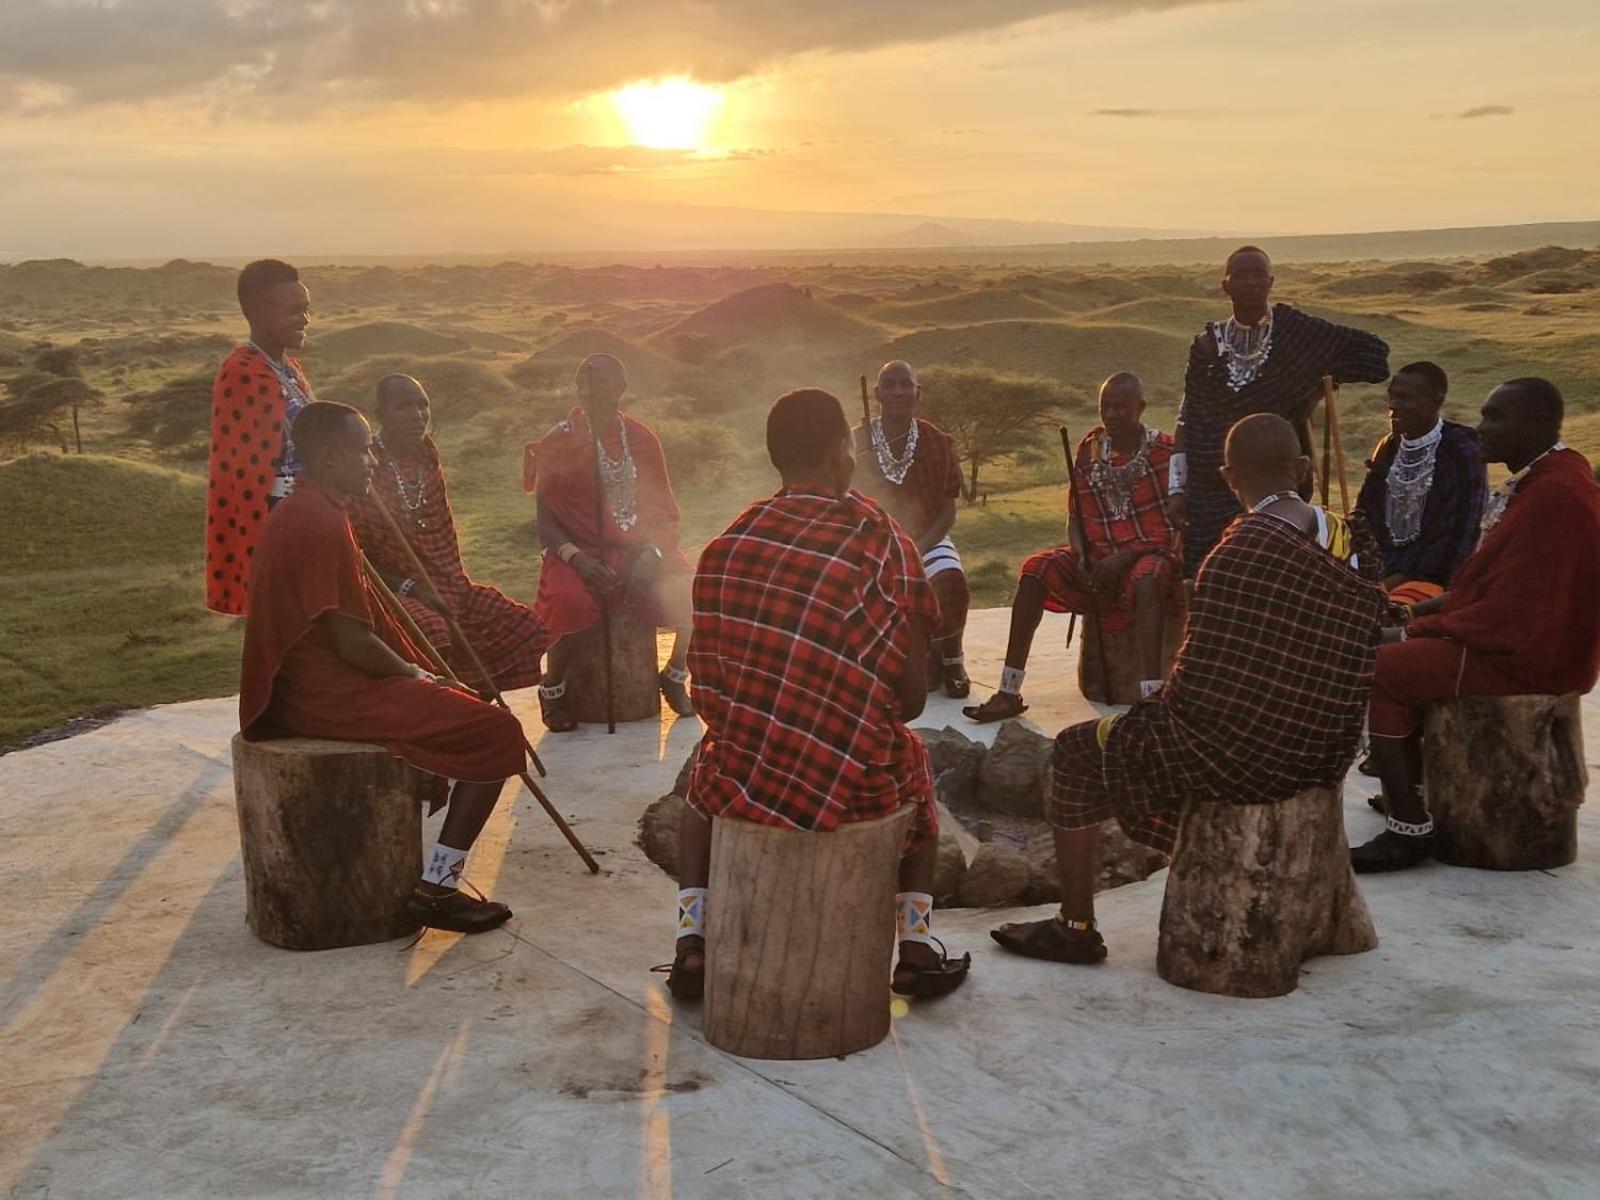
{"x":323,"y":52}
{"x":1485,"y":110}
{"x":1146,"y":112}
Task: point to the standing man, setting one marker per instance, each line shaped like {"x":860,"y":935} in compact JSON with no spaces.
{"x":811,"y":623}
{"x":910,"y":467}
{"x":1120,"y":547}
{"x":323,"y":659}
{"x":1425,"y":487}
{"x":1266,"y":697}
{"x":1520,"y":616}
{"x":1261,"y":359}
{"x":608,"y":523}
{"x":255,"y":398}
{"x":410,"y":484}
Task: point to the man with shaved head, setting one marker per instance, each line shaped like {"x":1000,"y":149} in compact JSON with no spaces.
{"x":608,"y":523}
{"x":1520,"y":615}
{"x":1266,"y":697}
{"x":1263,"y":358}
{"x":910,"y":466}
{"x":410,"y":483}
{"x":811,"y":625}
{"x":1120,"y":547}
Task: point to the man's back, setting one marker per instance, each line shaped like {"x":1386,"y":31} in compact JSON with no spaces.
{"x":802,"y":618}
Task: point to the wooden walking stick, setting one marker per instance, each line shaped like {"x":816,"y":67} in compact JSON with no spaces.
{"x":866,"y":404}
{"x":397,"y":610}
{"x":600,"y":550}
{"x":1327,"y":440}
{"x":1330,"y":392}
{"x":1093,"y":615}
{"x":457,"y":637}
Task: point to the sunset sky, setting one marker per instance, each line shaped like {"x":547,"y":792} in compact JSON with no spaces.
{"x":233,"y":127}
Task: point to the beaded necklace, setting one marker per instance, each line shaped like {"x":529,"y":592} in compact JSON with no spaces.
{"x":1410,"y":479}
{"x":1244,"y":348}
{"x":894,"y":469}
{"x":1266,"y":502}
{"x":620,"y":477}
{"x":1114,"y":483}
{"x":409,"y":502}
{"x":1495,"y":507}
{"x":295,"y":397}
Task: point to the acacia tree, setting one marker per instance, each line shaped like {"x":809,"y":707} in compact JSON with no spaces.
{"x":39,"y":403}
{"x":989,"y":414}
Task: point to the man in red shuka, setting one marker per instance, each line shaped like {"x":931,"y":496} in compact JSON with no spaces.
{"x":323,"y":659}
{"x":811,"y":623}
{"x":608,"y":523}
{"x":1520,"y":616}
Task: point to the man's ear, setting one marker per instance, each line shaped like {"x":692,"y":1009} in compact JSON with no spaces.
{"x":1303,"y":469}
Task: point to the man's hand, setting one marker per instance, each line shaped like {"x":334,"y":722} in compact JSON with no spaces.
{"x":1178,"y":510}
{"x":1108,"y":572}
{"x":596,"y":576}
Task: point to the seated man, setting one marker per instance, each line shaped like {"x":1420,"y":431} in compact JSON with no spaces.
{"x":1121,"y":563}
{"x":1520,"y":617}
{"x":909,"y":466}
{"x":1266,"y":697}
{"x":323,"y":659}
{"x":410,"y":484}
{"x":1423,"y":495}
{"x":609,"y":526}
{"x":811,"y":621}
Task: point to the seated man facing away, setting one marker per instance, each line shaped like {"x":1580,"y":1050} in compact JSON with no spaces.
{"x":410,"y":484}
{"x":608,"y":523}
{"x":1265,"y":700}
{"x":323,"y":659}
{"x":811,"y":624}
{"x":1425,"y":486}
{"x":1520,"y":618}
{"x":910,"y":467}
{"x":1121,"y":545}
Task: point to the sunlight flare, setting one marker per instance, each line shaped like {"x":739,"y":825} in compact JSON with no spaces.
{"x":669,"y":114}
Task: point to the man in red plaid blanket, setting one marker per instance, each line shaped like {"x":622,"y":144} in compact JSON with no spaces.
{"x":811,"y":624}
{"x":910,"y":467}
{"x":1266,"y":697}
{"x":410,"y":483}
{"x":1121,"y":546}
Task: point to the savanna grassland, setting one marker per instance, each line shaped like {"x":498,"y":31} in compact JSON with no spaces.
{"x":100,"y":550}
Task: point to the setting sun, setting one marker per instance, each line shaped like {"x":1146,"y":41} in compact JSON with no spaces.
{"x":669,"y":114}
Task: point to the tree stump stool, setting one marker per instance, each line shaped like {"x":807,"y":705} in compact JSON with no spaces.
{"x":1122,"y":659}
{"x":633,"y":672}
{"x":1505,"y":776}
{"x":1255,"y":890}
{"x":331,"y":835}
{"x":799,"y":937}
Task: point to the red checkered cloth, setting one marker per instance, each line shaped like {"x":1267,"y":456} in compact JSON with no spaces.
{"x":506,"y":635}
{"x":1144,"y":527}
{"x":1266,"y":697}
{"x":933,"y":478}
{"x":803,"y":615}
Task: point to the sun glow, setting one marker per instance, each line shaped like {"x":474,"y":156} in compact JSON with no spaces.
{"x":669,"y":114}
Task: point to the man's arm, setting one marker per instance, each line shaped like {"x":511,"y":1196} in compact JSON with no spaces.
{"x":941,"y":525}
{"x":358,"y":647}
{"x":594,"y":573}
{"x":911,"y":689}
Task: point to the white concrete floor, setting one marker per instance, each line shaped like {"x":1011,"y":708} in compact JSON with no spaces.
{"x":152,"y":1047}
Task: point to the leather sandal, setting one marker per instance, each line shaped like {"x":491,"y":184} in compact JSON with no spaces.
{"x":1052,"y":941}
{"x":1001,"y":706}
{"x":556,"y":712}
{"x":683,"y":981}
{"x":930,"y":981}
{"x":676,"y":693}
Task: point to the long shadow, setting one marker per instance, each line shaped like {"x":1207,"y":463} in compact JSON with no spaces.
{"x":44,"y":961}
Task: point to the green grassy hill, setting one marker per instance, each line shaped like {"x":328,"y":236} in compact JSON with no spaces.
{"x":100,"y":594}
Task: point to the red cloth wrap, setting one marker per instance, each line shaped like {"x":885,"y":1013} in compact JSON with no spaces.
{"x":506,"y":635}
{"x":1524,"y":602}
{"x":560,"y":469}
{"x":247,"y":434}
{"x":293,"y":682}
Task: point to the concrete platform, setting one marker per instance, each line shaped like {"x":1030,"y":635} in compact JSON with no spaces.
{"x":152,"y":1047}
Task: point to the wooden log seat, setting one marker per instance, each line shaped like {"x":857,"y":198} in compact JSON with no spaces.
{"x":634,"y":672}
{"x":800,"y":930}
{"x":1505,"y":776}
{"x":1122,"y":659}
{"x":1256,"y":889}
{"x":331,"y":835}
